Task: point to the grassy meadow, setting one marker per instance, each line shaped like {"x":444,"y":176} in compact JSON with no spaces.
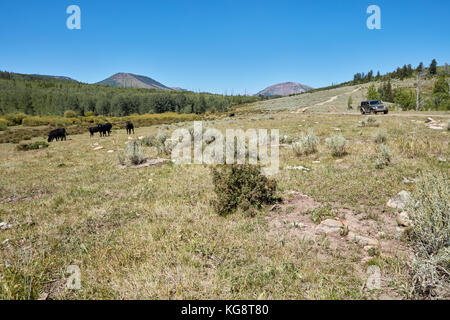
{"x":151,"y":232}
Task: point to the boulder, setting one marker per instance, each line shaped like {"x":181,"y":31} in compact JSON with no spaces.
{"x":329,"y":226}
{"x":400,"y":200}
{"x":403,"y":219}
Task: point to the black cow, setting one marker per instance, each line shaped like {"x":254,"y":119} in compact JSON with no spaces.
{"x":93,"y":130}
{"x":104,"y":128}
{"x":129,"y":127}
{"x":57,"y":134}
{"x":232,"y":115}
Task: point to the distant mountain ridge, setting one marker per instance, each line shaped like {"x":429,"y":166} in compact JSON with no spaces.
{"x":129,"y":80}
{"x":284,"y":89}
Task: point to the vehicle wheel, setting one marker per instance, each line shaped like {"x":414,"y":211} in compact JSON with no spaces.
{"x":386,"y":112}
{"x":362,"y":111}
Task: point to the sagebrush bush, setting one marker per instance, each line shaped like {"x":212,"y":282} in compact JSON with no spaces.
{"x":149,"y":141}
{"x":448,"y":125}
{"x":338,"y":145}
{"x":32,"y":146}
{"x":70,"y":114}
{"x":307,"y":144}
{"x":286,"y":139}
{"x":380,"y":136}
{"x":370,"y":122}
{"x":133,"y":154}
{"x":383,"y":158}
{"x":243,"y":187}
{"x":429,"y":211}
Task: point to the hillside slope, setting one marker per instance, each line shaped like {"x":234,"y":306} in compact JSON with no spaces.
{"x":284,"y":89}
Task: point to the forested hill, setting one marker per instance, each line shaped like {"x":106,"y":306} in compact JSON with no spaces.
{"x":46,"y":95}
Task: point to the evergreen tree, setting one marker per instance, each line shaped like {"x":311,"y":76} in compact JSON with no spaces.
{"x":433,"y":67}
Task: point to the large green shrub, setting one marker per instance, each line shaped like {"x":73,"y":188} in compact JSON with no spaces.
{"x":15,"y":119}
{"x":243,"y":187}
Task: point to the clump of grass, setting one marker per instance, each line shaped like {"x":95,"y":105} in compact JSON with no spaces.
{"x":383,"y":158}
{"x":338,"y":145}
{"x":370,"y":122}
{"x":243,"y":187}
{"x":380,"y":136}
{"x":320,"y":214}
{"x":429,"y":211}
{"x":149,"y":141}
{"x":286,"y":139}
{"x":32,"y":146}
{"x":307,"y":144}
{"x":3,"y":124}
{"x":70,"y":114}
{"x":448,"y":125}
{"x":133,"y":154}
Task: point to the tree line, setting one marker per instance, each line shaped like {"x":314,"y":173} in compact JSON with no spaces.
{"x":44,"y":95}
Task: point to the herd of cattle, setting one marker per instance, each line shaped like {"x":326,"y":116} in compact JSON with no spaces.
{"x":103,"y":129}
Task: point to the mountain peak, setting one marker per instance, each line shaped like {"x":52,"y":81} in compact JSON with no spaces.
{"x":130,"y":80}
{"x":284,"y":89}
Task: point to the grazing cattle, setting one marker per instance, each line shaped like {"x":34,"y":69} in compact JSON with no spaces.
{"x":232,"y":115}
{"x":57,"y":134}
{"x":129,"y":127}
{"x":93,"y":130}
{"x":104,"y":128}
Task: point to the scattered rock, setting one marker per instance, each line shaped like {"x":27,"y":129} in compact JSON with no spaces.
{"x":5,"y":242}
{"x":400,"y":200}
{"x":5,"y":226}
{"x":147,"y":163}
{"x":329,"y":226}
{"x":130,"y":138}
{"x":429,"y":120}
{"x":96,"y":144}
{"x":364,"y":241}
{"x":316,"y":162}
{"x":440,"y":159}
{"x":300,"y":168}
{"x":98,"y":148}
{"x":141,"y":138}
{"x":110,"y":151}
{"x":403,"y":219}
{"x":408,"y":181}
{"x":339,"y":160}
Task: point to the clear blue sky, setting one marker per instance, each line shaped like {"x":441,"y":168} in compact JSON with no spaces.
{"x":221,"y":46}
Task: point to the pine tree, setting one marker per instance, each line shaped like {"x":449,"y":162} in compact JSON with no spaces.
{"x":433,"y":67}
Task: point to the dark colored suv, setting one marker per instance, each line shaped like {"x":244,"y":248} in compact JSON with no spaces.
{"x":373,"y":106}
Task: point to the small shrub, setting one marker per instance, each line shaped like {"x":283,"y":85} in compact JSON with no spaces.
{"x":286,"y":139}
{"x":429,"y":211}
{"x":149,"y":141}
{"x":320,"y":214}
{"x":338,"y":145}
{"x":133,"y":155}
{"x":370,"y":122}
{"x":448,"y":125}
{"x":380,"y":136}
{"x":3,"y":124}
{"x":15,"y":119}
{"x":70,"y":114}
{"x":243,"y":187}
{"x":307,"y":144}
{"x":32,"y":146}
{"x":89,"y":114}
{"x":384,"y":157}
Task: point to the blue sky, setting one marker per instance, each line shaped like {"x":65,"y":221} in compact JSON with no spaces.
{"x":221,"y":46}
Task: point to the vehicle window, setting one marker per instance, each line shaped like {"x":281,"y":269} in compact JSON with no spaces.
{"x":374,"y":102}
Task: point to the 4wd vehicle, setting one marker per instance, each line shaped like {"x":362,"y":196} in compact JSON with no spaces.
{"x":373,"y":106}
